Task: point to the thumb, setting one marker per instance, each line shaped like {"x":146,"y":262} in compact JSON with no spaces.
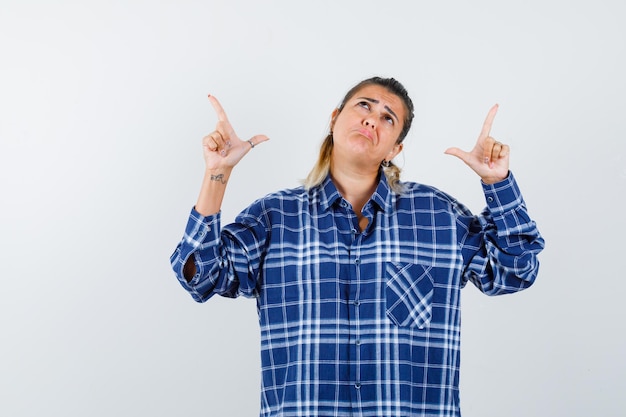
{"x":462,"y":155}
{"x":256,"y":139}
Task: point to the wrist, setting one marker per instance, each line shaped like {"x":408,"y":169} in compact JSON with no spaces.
{"x":490,"y":180}
{"x":217,"y":174}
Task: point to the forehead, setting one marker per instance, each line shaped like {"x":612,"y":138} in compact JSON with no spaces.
{"x":384,"y":96}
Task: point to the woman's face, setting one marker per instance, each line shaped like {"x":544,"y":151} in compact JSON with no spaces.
{"x":368,"y":126}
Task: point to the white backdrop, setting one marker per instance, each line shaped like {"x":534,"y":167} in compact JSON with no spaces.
{"x":102,"y":109}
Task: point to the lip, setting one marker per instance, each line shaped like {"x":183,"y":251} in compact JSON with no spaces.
{"x":365,"y":132}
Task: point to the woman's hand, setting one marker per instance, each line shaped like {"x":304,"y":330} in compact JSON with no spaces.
{"x":489,"y":158}
{"x":222,"y":148}
{"x":222,"y":151}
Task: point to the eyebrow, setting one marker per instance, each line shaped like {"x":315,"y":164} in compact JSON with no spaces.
{"x":371,"y":100}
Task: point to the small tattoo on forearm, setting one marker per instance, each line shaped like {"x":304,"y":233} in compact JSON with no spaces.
{"x":219,"y":178}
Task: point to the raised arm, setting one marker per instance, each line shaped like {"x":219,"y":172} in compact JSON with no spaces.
{"x":222,"y":151}
{"x":500,"y":246}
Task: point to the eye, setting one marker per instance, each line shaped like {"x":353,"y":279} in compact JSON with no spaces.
{"x":389,"y":119}
{"x":364,"y":104}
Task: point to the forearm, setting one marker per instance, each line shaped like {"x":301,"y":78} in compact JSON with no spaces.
{"x":212,"y":191}
{"x":209,"y":203}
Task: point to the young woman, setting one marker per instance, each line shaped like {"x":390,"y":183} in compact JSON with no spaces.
{"x":356,"y":274}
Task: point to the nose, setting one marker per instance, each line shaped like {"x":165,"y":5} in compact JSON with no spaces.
{"x":369,"y":123}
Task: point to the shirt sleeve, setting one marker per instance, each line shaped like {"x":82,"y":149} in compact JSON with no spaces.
{"x":500,"y":246}
{"x":223,"y":262}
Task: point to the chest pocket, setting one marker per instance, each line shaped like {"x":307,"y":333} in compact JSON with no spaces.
{"x":409,"y":295}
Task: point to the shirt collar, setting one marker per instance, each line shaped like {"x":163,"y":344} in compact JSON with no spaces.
{"x":383,"y":195}
{"x":328,"y":194}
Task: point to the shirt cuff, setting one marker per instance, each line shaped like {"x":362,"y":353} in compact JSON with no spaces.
{"x":201,"y":229}
{"x":503,"y":196}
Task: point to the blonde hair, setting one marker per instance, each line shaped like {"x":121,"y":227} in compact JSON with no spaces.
{"x":321,"y":168}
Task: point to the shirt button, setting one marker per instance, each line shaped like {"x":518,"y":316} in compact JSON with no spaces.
{"x":357,"y":303}
{"x":201,"y":233}
{"x":357,"y":261}
{"x":353,"y":231}
{"x":358,"y":342}
{"x":490,"y":199}
{"x":357,"y":385}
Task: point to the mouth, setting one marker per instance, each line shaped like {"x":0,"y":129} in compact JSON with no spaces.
{"x":366,"y":133}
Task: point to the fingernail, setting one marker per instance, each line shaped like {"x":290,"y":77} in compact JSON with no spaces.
{"x":223,"y":152}
{"x":486,"y":159}
{"x":228,"y":143}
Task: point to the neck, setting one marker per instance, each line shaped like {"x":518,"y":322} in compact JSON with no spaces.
{"x":356,"y":186}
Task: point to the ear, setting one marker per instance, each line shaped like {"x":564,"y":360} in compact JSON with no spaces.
{"x":333,"y":117}
{"x":397,"y":148}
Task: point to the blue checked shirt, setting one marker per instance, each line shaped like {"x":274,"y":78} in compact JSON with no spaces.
{"x":362,"y":323}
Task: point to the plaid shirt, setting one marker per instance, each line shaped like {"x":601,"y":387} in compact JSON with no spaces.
{"x":362,"y":323}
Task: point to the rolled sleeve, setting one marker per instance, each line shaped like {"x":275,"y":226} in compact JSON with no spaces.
{"x":201,"y":240}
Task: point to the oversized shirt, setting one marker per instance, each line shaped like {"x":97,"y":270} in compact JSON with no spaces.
{"x":362,"y":323}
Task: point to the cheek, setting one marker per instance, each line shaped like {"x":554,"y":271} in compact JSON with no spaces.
{"x":395,"y":132}
{"x":391,"y":133}
{"x":340,"y":124}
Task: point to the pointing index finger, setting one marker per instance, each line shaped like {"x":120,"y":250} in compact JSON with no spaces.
{"x":484,"y":133}
{"x":219,"y":110}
